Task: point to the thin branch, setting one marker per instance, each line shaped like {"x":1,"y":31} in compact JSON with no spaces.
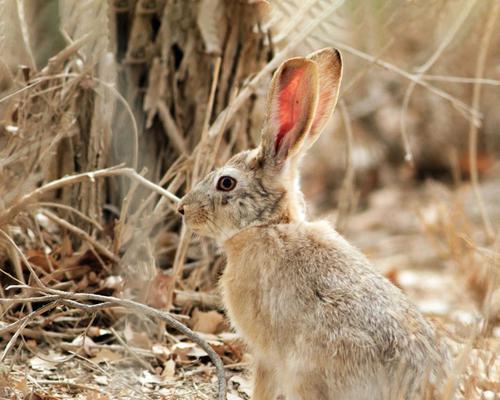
{"x":25,"y":32}
{"x":73,"y":210}
{"x":171,"y":129}
{"x":23,"y":258}
{"x":33,"y":196}
{"x":179,"y":261}
{"x":129,"y":350}
{"x":229,"y":112}
{"x":473,"y":130}
{"x":461,"y":79}
{"x":450,"y":35}
{"x":346,"y":196}
{"x":67,"y":52}
{"x":470,"y":113}
{"x":110,"y":87}
{"x":82,"y":235}
{"x":200,"y":167}
{"x":75,"y":300}
{"x":20,"y":324}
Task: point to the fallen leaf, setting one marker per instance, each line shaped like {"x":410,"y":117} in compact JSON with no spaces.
{"x":232,"y":396}
{"x":137,"y":339}
{"x":31,"y":343}
{"x":101,"y":380}
{"x":242,"y":385}
{"x":207,"y":322}
{"x":160,"y":351}
{"x":22,"y":386}
{"x":42,"y":260}
{"x":168,"y":370}
{"x":158,"y":293}
{"x":113,"y":282}
{"x":106,"y":355}
{"x":182,"y":349}
{"x":89,"y":347}
{"x":39,"y":364}
{"x":148,"y":377}
{"x":33,"y":396}
{"x":95,"y":331}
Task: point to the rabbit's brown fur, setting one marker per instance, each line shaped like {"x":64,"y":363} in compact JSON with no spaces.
{"x":321,"y":323}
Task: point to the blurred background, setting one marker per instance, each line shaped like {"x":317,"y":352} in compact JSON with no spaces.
{"x":408,"y":168}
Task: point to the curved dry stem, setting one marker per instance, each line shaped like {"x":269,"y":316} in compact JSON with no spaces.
{"x":23,"y":258}
{"x":229,"y":112}
{"x":108,"y":86}
{"x":450,"y":35}
{"x":20,"y":324}
{"x":461,"y":79}
{"x":73,"y":210}
{"x":21,"y":13}
{"x":82,"y":235}
{"x":473,"y":130}
{"x":33,"y":196}
{"x":346,"y":196}
{"x":470,"y":113}
{"x":76,"y":299}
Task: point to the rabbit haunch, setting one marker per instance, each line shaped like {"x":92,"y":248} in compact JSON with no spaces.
{"x":319,"y":320}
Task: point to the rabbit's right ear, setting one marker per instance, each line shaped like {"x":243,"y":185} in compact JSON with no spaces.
{"x":292,"y":103}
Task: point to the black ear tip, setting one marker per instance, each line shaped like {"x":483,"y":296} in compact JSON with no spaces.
{"x":337,"y":55}
{"x":180,"y":209}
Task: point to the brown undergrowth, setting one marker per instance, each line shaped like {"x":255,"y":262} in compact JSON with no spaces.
{"x":85,"y":245}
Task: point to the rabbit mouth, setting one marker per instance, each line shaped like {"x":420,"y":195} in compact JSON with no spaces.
{"x":204,"y":225}
{"x":199,"y":222}
{"x":195,"y":220}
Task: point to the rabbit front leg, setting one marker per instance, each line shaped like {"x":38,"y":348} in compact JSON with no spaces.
{"x":309,"y":386}
{"x":265,"y":385}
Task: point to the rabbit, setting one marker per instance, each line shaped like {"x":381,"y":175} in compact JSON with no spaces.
{"x":320,"y":322}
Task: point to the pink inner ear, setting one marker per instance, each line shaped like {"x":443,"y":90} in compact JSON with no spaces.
{"x":290,"y":106}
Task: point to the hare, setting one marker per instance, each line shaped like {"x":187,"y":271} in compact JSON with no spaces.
{"x":319,"y":320}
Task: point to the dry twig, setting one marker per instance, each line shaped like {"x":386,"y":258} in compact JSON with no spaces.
{"x":473,"y":129}
{"x":76,"y":299}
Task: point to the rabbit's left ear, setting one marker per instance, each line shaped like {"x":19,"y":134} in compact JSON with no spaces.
{"x":291,"y":107}
{"x":301,"y":99}
{"x":329,"y":63}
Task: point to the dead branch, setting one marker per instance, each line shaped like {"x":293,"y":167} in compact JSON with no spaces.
{"x":21,"y":13}
{"x":171,"y":128}
{"x":82,"y":235}
{"x":76,"y":300}
{"x":473,"y":130}
{"x":451,"y":34}
{"x":229,"y":112}
{"x":470,"y":113}
{"x":73,"y":210}
{"x":33,"y":196}
{"x":20,"y":324}
{"x":23,"y":258}
{"x":188,"y":298}
{"x":346,"y":196}
{"x":132,"y":352}
{"x":180,"y":256}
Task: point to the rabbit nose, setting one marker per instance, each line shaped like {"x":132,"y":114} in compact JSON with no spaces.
{"x":180,"y":209}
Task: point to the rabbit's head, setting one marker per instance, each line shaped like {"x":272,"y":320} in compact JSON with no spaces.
{"x":260,"y":186}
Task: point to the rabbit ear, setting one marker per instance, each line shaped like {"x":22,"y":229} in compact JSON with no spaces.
{"x":329,"y":62}
{"x":292,"y":103}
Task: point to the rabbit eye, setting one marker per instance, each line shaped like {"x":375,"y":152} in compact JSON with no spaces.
{"x":226,"y":183}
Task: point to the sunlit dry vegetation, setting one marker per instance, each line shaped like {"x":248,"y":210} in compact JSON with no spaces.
{"x":111,"y":110}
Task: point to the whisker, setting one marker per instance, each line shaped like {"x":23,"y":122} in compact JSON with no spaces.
{"x":219,"y":229}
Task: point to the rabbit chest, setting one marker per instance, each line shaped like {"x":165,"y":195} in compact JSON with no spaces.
{"x":256,"y":291}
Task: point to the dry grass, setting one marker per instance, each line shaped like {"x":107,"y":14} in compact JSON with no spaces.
{"x":118,"y":86}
